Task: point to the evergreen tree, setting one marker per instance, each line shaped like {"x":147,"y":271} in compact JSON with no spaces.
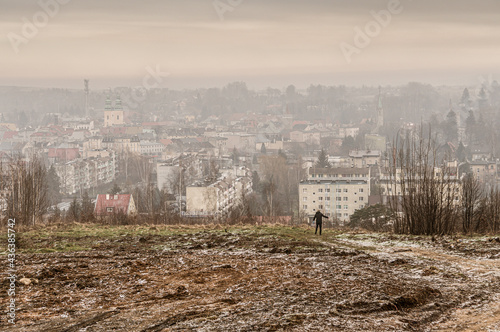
{"x":235,"y":156}
{"x":470,"y":126}
{"x":482,"y":100}
{"x":282,"y":154}
{"x":450,"y":128}
{"x":322,"y":161}
{"x":465,"y":100}
{"x":263,"y":149}
{"x":348,"y":144}
{"x":53,"y":186}
{"x":74,"y":210}
{"x":87,"y":207}
{"x":115,"y":190}
{"x":23,"y":120}
{"x":461,"y":154}
{"x":255,"y":181}
{"x":374,"y":218}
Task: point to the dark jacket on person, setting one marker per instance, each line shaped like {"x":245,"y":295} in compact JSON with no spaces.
{"x":319,"y":217}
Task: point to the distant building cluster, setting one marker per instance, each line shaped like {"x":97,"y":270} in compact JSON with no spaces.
{"x":208,"y":160}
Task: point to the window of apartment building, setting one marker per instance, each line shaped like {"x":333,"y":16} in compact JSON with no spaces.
{"x":304,"y":190}
{"x":109,"y":209}
{"x":320,"y":206}
{"x":338,"y":198}
{"x":339,"y":207}
{"x":360,"y":190}
{"x":320,"y":190}
{"x":346,"y":207}
{"x":117,"y":117}
{"x":108,"y":117}
{"x":346,"y":190}
{"x":327,"y":198}
{"x":304,"y":199}
{"x":338,"y":190}
{"x":361,"y":198}
{"x":346,"y":214}
{"x":327,"y":190}
{"x":304,"y":207}
{"x":320,"y":198}
{"x":346,"y":198}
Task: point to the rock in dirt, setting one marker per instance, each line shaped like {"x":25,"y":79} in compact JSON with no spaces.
{"x":25,"y":281}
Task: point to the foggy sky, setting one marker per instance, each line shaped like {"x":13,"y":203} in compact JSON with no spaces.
{"x":265,"y":43}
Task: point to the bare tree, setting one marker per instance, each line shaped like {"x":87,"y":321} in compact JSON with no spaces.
{"x":424,"y":194}
{"x":489,"y":216}
{"x":27,"y":190}
{"x":472,"y":197}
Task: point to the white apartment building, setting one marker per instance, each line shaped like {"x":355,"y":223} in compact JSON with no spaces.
{"x":365,"y":158}
{"x":82,"y":174}
{"x":151,"y":148}
{"x":218,"y":198}
{"x":391,"y":185}
{"x":337,"y":192}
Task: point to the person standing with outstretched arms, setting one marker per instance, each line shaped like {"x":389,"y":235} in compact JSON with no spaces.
{"x":319,"y":221}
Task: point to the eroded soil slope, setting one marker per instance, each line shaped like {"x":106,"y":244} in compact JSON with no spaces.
{"x":90,"y":278}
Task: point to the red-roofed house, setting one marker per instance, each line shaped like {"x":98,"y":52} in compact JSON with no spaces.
{"x":107,"y":205}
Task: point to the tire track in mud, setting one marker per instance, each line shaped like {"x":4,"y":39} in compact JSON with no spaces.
{"x":86,"y":323}
{"x":485,"y":317}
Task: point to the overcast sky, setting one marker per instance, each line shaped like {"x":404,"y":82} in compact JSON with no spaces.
{"x":265,"y":43}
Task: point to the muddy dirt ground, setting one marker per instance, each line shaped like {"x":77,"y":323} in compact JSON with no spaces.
{"x":265,"y":278}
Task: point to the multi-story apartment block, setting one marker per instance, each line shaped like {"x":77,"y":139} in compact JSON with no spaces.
{"x":82,"y":174}
{"x":149,"y":148}
{"x":391,"y":185}
{"x":123,"y":144}
{"x":484,"y":171}
{"x":365,"y":158}
{"x":313,"y":138}
{"x":216,"y":199}
{"x":337,"y":192}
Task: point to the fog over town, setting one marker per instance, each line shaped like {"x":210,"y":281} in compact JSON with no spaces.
{"x":250,"y":165}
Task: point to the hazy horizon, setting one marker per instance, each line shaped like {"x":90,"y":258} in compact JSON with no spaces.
{"x":112,"y":43}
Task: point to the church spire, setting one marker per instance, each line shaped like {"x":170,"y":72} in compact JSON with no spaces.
{"x":118,"y":103}
{"x":108,"y":106}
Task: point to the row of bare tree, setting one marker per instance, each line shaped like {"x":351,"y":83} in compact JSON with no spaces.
{"x":24,"y":188}
{"x":428,"y":196}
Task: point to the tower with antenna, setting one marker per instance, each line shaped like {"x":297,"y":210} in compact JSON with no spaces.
{"x":86,"y":83}
{"x":380,"y":109}
{"x":380,"y":113}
